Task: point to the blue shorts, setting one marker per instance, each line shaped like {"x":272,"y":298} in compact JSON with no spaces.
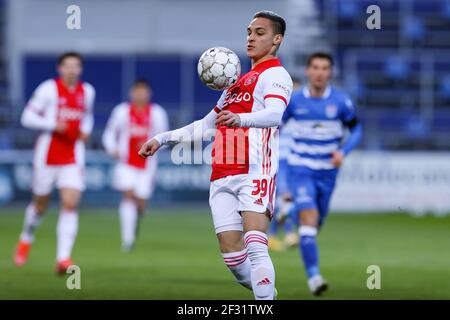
{"x":311,"y":189}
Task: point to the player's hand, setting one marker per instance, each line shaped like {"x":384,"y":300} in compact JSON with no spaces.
{"x":149,"y":148}
{"x":61,"y":127}
{"x":228,"y":119}
{"x":83,"y":136}
{"x":337,"y":159}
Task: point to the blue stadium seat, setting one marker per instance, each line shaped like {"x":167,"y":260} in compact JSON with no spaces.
{"x":413,"y":28}
{"x":5,"y":141}
{"x":445,"y":87}
{"x":416,"y":127}
{"x":396,"y":68}
{"x":446,"y":9}
{"x":347,"y":9}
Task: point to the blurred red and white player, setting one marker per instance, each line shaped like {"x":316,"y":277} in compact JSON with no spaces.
{"x":130,"y":125}
{"x":61,"y":109}
{"x":245,"y":155}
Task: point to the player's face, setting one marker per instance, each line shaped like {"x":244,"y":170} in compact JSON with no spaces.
{"x":70,"y":69}
{"x":261,"y":40}
{"x":319,"y":72}
{"x":140,"y":95}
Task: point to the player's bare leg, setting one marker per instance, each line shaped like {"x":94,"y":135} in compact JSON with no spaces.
{"x":128,"y":212}
{"x":230,"y":241}
{"x":309,"y":222}
{"x":67,"y":227}
{"x":33,"y":217}
{"x":255,"y":239}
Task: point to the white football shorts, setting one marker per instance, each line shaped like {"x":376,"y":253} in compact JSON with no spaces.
{"x":231,"y":195}
{"x":129,"y":178}
{"x":69,"y":176}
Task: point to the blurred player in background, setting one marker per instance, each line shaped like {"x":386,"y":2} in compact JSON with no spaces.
{"x":320,"y":115}
{"x":283,"y":197}
{"x":61,"y":109}
{"x":246,"y":117}
{"x":130,"y":125}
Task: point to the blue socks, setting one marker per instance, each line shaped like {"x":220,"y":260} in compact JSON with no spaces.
{"x":309,"y":250}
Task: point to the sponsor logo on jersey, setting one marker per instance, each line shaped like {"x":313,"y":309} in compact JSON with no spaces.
{"x":317,"y":125}
{"x":236,"y":98}
{"x":331,"y":111}
{"x":136,"y":130}
{"x":66,"y":113}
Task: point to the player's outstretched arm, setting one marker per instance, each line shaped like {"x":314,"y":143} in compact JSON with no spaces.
{"x":192,"y":132}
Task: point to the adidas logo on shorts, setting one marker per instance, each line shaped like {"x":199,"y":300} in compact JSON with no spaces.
{"x":259,"y":201}
{"x":263,"y":282}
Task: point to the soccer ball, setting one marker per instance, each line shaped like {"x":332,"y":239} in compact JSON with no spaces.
{"x":219,"y":68}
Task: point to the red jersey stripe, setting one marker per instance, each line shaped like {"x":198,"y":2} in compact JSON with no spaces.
{"x":277,"y":97}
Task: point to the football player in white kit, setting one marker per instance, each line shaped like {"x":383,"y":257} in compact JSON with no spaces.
{"x":61,"y":109}
{"x":130,"y":125}
{"x":245,"y":156}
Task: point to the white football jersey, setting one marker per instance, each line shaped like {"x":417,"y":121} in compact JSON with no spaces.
{"x":53,"y":102}
{"x":250,"y":150}
{"x":129,"y":127}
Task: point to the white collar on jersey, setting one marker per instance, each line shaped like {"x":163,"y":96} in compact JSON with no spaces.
{"x":325,"y":95}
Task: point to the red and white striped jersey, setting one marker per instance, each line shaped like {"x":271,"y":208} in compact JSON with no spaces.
{"x":129,"y":127}
{"x":53,"y":102}
{"x":250,"y":150}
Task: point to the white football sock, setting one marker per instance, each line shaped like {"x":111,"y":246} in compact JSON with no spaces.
{"x":66,"y":232}
{"x":31,"y":222}
{"x":239,"y":265}
{"x":128,"y":221}
{"x":263,"y":273}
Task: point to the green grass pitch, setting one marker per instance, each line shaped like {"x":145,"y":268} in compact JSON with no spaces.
{"x":177,"y":257}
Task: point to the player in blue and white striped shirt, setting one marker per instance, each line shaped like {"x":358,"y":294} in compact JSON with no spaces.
{"x":321,"y":115}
